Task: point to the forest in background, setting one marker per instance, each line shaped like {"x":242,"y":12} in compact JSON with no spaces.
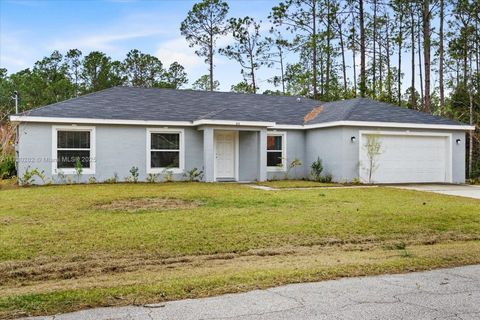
{"x":342,"y":49}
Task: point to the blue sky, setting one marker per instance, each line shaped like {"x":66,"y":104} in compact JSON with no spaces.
{"x":30,"y":30}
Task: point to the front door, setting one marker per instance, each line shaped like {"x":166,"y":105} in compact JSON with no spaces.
{"x":225,"y":154}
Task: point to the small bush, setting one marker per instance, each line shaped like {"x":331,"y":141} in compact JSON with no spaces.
{"x":194,"y":175}
{"x":326,"y":178}
{"x":61,"y":177}
{"x":78,"y":170}
{"x":92,"y":180}
{"x":292,"y":165}
{"x":475,"y":174}
{"x":167,"y":175}
{"x":152,"y":177}
{"x":113,"y":179}
{"x":134,"y":174}
{"x":28,"y":177}
{"x":316,"y":169}
{"x":356,"y":181}
{"x":7,"y":168}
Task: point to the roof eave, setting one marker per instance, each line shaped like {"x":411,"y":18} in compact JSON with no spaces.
{"x":98,"y":121}
{"x":272,"y":125}
{"x":378,"y":124}
{"x":20,"y":118}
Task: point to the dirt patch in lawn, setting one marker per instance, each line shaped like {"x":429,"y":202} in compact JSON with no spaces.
{"x":147,"y":204}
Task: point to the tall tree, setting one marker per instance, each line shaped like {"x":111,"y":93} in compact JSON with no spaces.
{"x":342,"y":49}
{"x":301,"y":17}
{"x":398,"y":8}
{"x":96,"y":71}
{"x":250,"y":50}
{"x":204,"y":24}
{"x":52,"y":71}
{"x":242,"y":87}
{"x":74,"y":63}
{"x":387,"y":57}
{"x":420,"y":73}
{"x":175,"y":76}
{"x":426,"y":53}
{"x":298,"y":79}
{"x":329,"y":13}
{"x":363,"y":77}
{"x":374,"y":50}
{"x":441,"y":56}
{"x":412,"y":22}
{"x":143,"y":70}
{"x":276,"y":55}
{"x":352,"y":43}
{"x":203,"y":84}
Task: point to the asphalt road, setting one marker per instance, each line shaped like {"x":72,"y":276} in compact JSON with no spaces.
{"x":440,"y":294}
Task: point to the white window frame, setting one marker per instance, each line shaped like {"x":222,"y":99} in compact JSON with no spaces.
{"x":283,"y":167}
{"x":181,"y":160}
{"x":92,"y":150}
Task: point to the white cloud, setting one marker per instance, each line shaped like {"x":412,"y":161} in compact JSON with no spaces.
{"x":177,"y":49}
{"x":105,"y":41}
{"x":14,"y":53}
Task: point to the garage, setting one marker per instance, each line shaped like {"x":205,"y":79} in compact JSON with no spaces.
{"x":405,"y":157}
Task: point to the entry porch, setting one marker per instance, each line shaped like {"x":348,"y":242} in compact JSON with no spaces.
{"x":232,"y":153}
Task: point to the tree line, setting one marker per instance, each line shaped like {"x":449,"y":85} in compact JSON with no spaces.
{"x":341,"y":48}
{"x":441,"y":38}
{"x":64,"y":76}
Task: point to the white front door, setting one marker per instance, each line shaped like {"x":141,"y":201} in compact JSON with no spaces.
{"x":225,"y":154}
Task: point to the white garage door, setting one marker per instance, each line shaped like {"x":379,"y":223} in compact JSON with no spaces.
{"x":405,"y":158}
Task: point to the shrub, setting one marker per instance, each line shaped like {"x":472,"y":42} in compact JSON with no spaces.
{"x":152,"y":177}
{"x":113,"y":179}
{"x":295,"y":163}
{"x":134,"y":174}
{"x":78,"y":170}
{"x":7,"y":167}
{"x":326,"y":178}
{"x":373,"y":147}
{"x":61,"y":177}
{"x":194,"y":175}
{"x":167,"y":175}
{"x":28,"y":176}
{"x":92,"y":180}
{"x":475,"y":174}
{"x":316,"y":169}
{"x":356,"y":181}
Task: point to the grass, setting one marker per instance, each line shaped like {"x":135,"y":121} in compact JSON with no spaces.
{"x":281,"y":184}
{"x":8,"y":184}
{"x":63,"y":249}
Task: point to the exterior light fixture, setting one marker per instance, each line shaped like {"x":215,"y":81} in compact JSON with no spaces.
{"x":458,"y":141}
{"x":353,"y":139}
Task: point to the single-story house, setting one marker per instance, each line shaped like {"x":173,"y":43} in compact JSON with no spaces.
{"x":237,"y":137}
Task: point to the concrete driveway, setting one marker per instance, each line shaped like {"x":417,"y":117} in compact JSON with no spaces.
{"x":461,"y":190}
{"x":440,"y":294}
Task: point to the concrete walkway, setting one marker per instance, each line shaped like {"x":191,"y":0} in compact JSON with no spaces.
{"x":462,"y":190}
{"x":440,"y":294}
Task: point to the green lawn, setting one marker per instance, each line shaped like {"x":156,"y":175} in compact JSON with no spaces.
{"x":281,"y":184}
{"x":69,"y":247}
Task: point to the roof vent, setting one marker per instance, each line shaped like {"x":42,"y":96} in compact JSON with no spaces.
{"x":299,"y":99}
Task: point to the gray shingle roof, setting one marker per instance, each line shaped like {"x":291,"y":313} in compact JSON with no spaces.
{"x":127,"y":103}
{"x":363,"y":109}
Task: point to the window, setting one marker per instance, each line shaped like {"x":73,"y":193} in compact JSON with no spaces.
{"x":72,"y":144}
{"x":276,"y":157}
{"x":164,"y":150}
